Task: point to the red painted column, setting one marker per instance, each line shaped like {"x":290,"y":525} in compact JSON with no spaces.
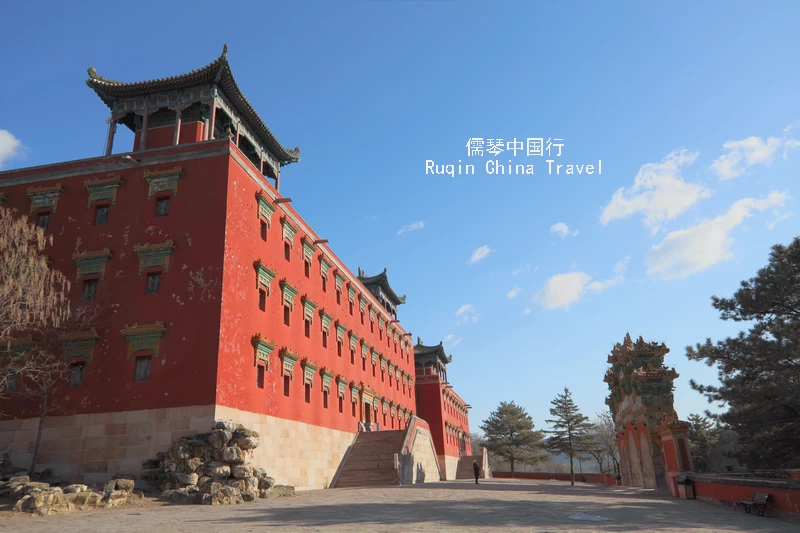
{"x":177,"y":135}
{"x":143,"y":135}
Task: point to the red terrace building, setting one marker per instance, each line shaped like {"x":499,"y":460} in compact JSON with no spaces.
{"x":224,"y":303}
{"x":444,"y":410}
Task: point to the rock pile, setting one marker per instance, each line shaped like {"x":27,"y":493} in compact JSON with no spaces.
{"x":42,"y":499}
{"x":211,"y":469}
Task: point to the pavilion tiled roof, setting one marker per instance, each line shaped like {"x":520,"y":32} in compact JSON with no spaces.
{"x":217,"y":72}
{"x":431,"y":352}
{"x":382,"y":281}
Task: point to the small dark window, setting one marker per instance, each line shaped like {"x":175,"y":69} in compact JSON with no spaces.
{"x":287,"y":251}
{"x":262,"y":299}
{"x":354,"y":408}
{"x":380,"y":334}
{"x":12,"y":381}
{"x":351,"y":308}
{"x":143,"y":368}
{"x":89,"y":289}
{"x":76,"y":375}
{"x":324,"y":339}
{"x":338,"y":296}
{"x":286,"y":379}
{"x":308,"y":328}
{"x":341,"y":404}
{"x":372,"y":326}
{"x":162,"y":207}
{"x":383,"y":375}
{"x":339,"y":348}
{"x":153,"y":283}
{"x":364,"y":364}
{"x":260,"y":377}
{"x":101,"y":215}
{"x":352,"y":356}
{"x":308,"y":392}
{"x":325,"y":399}
{"x":43,"y":220}
{"x":263,"y":231}
{"x":307,"y":268}
{"x":324,"y":284}
{"x":362,"y":318}
{"x":373,"y":371}
{"x":286,"y":314}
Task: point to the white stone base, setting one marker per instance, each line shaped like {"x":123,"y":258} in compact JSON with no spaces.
{"x":91,"y":448}
{"x":421,"y":464}
{"x":449,"y":466}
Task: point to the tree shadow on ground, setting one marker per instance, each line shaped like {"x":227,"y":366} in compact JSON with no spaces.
{"x":484,"y":506}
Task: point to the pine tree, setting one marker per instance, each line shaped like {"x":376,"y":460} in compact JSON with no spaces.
{"x":703,"y":436}
{"x":759,"y":369}
{"x":510,"y":435}
{"x":570,"y":434}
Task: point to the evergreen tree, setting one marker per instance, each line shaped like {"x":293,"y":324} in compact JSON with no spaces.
{"x":571,"y":430}
{"x":510,"y":435}
{"x":759,"y":369}
{"x":703,"y":436}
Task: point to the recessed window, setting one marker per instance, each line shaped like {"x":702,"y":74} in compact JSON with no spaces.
{"x":363,"y":364}
{"x":153,"y":283}
{"x":43,"y":220}
{"x":341,"y":404}
{"x":351,"y":308}
{"x":162,"y":206}
{"x":373,"y":371}
{"x":338,"y":296}
{"x":287,"y":251}
{"x":260,"y":377}
{"x":354,"y":409}
{"x":372,"y":326}
{"x":12,"y":381}
{"x":101,"y":215}
{"x":262,"y":299}
{"x":339,"y":348}
{"x":308,"y":328}
{"x":286,"y":314}
{"x":324,"y":339}
{"x":380,"y":334}
{"x":324,"y":284}
{"x":325,"y":399}
{"x":263,"y":231}
{"x":362,"y":318}
{"x":143,"y":368}
{"x":308,"y":392}
{"x":307,"y":268}
{"x":89,"y":289}
{"x":286,"y":379}
{"x":383,"y":376}
{"x":76,"y":375}
{"x":352,"y":356}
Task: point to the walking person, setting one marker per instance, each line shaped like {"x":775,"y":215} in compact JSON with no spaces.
{"x":477,"y":470}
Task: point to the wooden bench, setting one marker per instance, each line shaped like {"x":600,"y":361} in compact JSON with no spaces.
{"x":759,"y":502}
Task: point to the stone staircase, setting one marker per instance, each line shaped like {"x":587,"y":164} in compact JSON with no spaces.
{"x":464,"y":470}
{"x":370,"y":461}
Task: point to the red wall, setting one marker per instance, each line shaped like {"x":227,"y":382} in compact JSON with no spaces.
{"x":587,"y":478}
{"x":188,"y":302}
{"x":191,"y":132}
{"x":786,"y":500}
{"x":242,"y":319}
{"x":433,"y":408}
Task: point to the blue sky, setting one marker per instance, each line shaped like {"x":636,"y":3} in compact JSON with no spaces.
{"x":690,"y":107}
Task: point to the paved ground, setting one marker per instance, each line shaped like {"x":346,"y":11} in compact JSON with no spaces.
{"x":495,"y":505}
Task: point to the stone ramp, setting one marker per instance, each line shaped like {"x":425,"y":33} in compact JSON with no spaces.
{"x":371,"y":460}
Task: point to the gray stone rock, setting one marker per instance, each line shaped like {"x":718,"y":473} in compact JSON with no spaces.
{"x":281,"y":491}
{"x":265,"y":483}
{"x":60,"y":508}
{"x":259,"y":472}
{"x":191,"y":465}
{"x":110,"y":486}
{"x":241,"y":471}
{"x":182,"y":496}
{"x":248,"y":496}
{"x":251,"y":484}
{"x":233,"y":455}
{"x":69,"y":489}
{"x":84,"y":499}
{"x":202,"y":481}
{"x":126,"y":485}
{"x":246,"y":439}
{"x":217,"y":471}
{"x":19,"y":480}
{"x":219,"y":438}
{"x":211,"y":487}
{"x":225,"y":424}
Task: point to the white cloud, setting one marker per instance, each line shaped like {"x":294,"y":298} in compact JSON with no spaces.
{"x":741,"y":155}
{"x":563,"y":290}
{"x":466,"y":313}
{"x":448,"y":336}
{"x":522,"y":269}
{"x":513,"y":293}
{"x":456,"y":342}
{"x":411,"y":227}
{"x":480,"y":253}
{"x":10,"y":146}
{"x":778,"y":218}
{"x":528,"y":310}
{"x":562,"y":230}
{"x":658,"y":192}
{"x":692,"y":250}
